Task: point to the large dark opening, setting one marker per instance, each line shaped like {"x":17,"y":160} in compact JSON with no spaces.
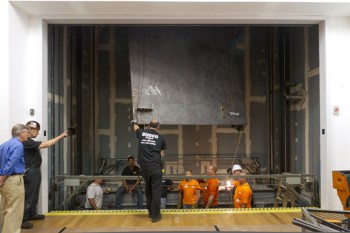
{"x":223,"y":94}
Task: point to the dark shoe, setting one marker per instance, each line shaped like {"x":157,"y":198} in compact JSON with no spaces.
{"x":156,"y":219}
{"x":26,"y":225}
{"x":37,"y":217}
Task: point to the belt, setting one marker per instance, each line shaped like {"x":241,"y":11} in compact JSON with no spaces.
{"x":17,"y":174}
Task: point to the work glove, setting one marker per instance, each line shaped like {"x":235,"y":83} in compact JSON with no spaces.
{"x":194,"y":206}
{"x":133,"y":122}
{"x":179,"y":206}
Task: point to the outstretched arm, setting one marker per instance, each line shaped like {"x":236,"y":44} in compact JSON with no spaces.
{"x":53,"y":141}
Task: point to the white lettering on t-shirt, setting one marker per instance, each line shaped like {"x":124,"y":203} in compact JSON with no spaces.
{"x":149,"y":135}
{"x":149,"y":138}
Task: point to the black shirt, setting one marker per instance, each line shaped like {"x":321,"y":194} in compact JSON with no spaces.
{"x":165,"y":185}
{"x":32,"y":155}
{"x":127,"y":171}
{"x":150,"y":145}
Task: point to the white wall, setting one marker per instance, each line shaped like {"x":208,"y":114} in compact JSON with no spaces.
{"x":5,"y":125}
{"x":25,"y":66}
{"x":24,"y":86}
{"x":28,"y":79}
{"x":36,"y":82}
{"x":18,"y":91}
{"x":335,"y":91}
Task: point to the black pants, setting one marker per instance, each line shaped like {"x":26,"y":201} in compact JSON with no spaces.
{"x":32,"y":188}
{"x":153,"y":188}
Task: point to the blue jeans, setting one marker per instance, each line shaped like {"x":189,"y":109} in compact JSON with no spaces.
{"x":121,"y":192}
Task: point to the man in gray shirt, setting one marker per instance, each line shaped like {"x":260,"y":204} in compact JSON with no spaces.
{"x":94,"y":195}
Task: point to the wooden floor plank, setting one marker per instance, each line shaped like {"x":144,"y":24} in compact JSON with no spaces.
{"x":172,"y":221}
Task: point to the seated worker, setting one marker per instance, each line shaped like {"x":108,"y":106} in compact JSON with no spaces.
{"x":130,"y":186}
{"x":167,"y":185}
{"x":243,"y":194}
{"x":94,"y":195}
{"x":189,"y":193}
{"x":211,"y":189}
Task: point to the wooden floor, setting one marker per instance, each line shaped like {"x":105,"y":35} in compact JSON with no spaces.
{"x":269,"y":220}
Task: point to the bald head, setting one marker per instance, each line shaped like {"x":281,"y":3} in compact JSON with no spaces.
{"x":154,"y":124}
{"x":241,"y":179}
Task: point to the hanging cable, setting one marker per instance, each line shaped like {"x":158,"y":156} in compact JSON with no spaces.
{"x":238,"y":142}
{"x":141,"y":71}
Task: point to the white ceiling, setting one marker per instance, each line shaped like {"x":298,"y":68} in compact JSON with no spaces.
{"x":183,"y":11}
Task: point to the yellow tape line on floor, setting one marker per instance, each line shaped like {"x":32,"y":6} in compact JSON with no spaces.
{"x":176,"y":211}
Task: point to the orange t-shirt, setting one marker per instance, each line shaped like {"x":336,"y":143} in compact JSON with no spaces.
{"x":211,"y":188}
{"x":189,"y":189}
{"x":243,"y":195}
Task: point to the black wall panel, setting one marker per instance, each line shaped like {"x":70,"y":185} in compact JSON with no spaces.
{"x":187,"y":75}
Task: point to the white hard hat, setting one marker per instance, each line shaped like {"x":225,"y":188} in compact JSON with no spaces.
{"x":236,"y":167}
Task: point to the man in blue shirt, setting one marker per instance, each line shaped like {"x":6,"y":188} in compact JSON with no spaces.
{"x":11,"y":180}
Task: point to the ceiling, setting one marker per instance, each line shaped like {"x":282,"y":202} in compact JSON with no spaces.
{"x":183,"y":11}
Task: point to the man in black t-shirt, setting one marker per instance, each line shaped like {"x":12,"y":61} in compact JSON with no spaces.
{"x":32,"y":157}
{"x":130,"y":186}
{"x":151,"y":149}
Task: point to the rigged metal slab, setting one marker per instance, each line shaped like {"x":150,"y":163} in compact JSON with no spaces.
{"x":187,"y":75}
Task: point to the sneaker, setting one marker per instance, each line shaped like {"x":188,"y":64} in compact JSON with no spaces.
{"x":26,"y":225}
{"x":156,"y":219}
{"x":37,"y":217}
